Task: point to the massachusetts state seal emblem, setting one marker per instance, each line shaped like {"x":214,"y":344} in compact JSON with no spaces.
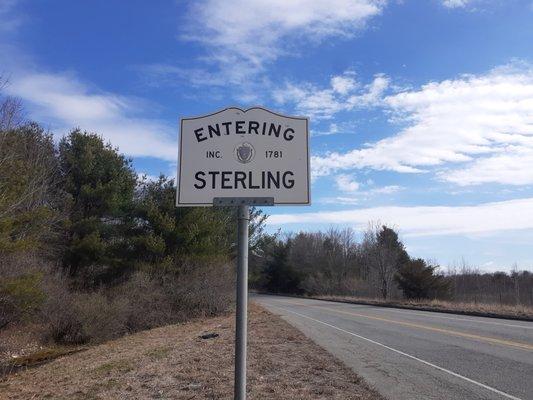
{"x":244,"y":152}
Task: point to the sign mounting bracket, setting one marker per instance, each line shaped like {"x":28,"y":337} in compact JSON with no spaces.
{"x":249,"y":201}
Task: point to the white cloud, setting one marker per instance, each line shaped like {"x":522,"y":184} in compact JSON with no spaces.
{"x":373,"y":94}
{"x":244,"y":35}
{"x":456,"y":3}
{"x":485,"y":218}
{"x":171,"y":75}
{"x":343,"y":94}
{"x":340,"y":200}
{"x":356,"y":195}
{"x":468,"y":4}
{"x":386,"y":189}
{"x":343,"y":84}
{"x":482,"y":125}
{"x":65,"y":103}
{"x":308,"y":100}
{"x":8,"y":20}
{"x":346,"y":183}
{"x":166,"y":74}
{"x":512,"y":166}
{"x":332,"y":130}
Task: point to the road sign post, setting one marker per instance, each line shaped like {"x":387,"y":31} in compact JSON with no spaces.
{"x":241,"y":321}
{"x":243,"y":158}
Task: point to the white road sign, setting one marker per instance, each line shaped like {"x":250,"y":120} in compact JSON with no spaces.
{"x":236,"y":153}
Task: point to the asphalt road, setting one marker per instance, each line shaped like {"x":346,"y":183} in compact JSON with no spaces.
{"x":413,"y":355}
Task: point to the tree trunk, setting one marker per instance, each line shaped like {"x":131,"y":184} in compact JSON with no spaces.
{"x":384,"y":289}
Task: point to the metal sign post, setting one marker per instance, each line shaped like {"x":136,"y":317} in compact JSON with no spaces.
{"x":241,"y":322}
{"x":241,"y":315}
{"x":243,"y":158}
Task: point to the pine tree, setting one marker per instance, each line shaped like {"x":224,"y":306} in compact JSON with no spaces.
{"x":100,"y":183}
{"x":280,"y":275}
{"x":418,"y":280}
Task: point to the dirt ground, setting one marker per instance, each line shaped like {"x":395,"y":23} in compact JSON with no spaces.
{"x":173,"y":362}
{"x":16,"y":341}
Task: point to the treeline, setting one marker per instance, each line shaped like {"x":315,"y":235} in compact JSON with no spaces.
{"x":473,"y":286}
{"x":337,"y":263}
{"x":91,"y":250}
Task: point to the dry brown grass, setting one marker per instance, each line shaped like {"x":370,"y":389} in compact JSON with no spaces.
{"x":18,"y":340}
{"x":172,"y":362}
{"x":479,"y":309}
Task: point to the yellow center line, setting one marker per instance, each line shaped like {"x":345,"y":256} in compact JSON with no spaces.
{"x":486,"y":339}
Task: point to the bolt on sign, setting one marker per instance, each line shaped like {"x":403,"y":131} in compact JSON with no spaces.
{"x":234,"y":153}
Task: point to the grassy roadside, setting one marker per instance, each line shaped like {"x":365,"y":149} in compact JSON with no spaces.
{"x":174,"y":362}
{"x":518,"y":312}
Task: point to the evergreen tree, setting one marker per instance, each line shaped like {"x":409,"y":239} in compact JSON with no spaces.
{"x":280,"y":275}
{"x":418,"y":280}
{"x":167,"y":232}
{"x":384,"y":254}
{"x":388,"y":239}
{"x":167,"y":235}
{"x":100,"y":183}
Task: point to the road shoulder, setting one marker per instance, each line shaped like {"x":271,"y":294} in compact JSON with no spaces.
{"x":174,"y":362}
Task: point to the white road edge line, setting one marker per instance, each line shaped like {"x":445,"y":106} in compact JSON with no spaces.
{"x":406,"y":355}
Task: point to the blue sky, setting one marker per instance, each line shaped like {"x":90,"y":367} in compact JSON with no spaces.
{"x":421,"y":111}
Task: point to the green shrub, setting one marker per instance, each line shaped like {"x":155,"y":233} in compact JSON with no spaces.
{"x":22,"y":295}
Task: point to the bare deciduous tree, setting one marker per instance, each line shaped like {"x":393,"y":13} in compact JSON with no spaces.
{"x":11,"y":110}
{"x":29,"y":193}
{"x":384,"y":254}
{"x":329,"y":261}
